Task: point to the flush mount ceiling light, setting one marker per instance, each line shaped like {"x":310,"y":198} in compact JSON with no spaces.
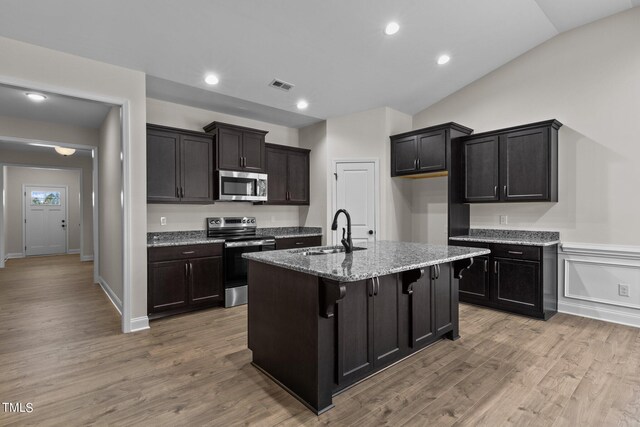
{"x":35,"y":97}
{"x":302,"y":104}
{"x":64,"y":151}
{"x":391,"y":28}
{"x":211,"y":79}
{"x":443,"y":59}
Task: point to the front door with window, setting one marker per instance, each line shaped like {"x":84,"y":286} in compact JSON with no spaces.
{"x":45,"y":220}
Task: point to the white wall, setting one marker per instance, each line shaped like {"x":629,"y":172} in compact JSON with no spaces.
{"x":314,"y":137}
{"x":110,"y":226}
{"x":192,"y":217}
{"x":429,"y":207}
{"x":49,"y":70}
{"x":52,"y":159}
{"x":588,"y":79}
{"x":16,"y":178}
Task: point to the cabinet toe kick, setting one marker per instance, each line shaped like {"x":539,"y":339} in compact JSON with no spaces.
{"x":460,"y":266}
{"x":330,"y":293}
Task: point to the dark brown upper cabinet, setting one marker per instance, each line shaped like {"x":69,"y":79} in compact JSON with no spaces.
{"x":424,"y":151}
{"x":517,"y":164}
{"x":288,"y":172}
{"x":238,"y":148}
{"x":179,"y":166}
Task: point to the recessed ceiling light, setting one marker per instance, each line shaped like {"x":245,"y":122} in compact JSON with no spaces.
{"x":302,"y":104}
{"x":443,"y":59}
{"x":64,"y":151}
{"x":36,"y":97}
{"x":391,"y":28}
{"x":211,"y":79}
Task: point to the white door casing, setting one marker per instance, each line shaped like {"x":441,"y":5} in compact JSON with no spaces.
{"x":355,"y":191}
{"x":46,"y":223}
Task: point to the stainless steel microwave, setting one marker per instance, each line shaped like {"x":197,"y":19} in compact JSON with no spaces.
{"x":241,"y":186}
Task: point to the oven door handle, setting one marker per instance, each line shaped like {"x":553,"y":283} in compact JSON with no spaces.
{"x":249,"y":243}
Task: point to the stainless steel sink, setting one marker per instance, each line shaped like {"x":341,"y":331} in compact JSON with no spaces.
{"x":327,"y":251}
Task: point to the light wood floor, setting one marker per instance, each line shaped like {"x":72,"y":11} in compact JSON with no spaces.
{"x":61,"y":349}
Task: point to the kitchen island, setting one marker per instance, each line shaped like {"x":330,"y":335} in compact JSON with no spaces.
{"x":319,"y":322}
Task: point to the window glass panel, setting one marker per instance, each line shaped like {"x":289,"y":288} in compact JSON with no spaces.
{"x":50,"y":198}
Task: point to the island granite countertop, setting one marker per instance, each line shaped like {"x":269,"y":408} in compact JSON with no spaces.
{"x":510,"y":237}
{"x":378,"y":259}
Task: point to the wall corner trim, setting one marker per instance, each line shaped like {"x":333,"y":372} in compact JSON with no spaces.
{"x":117,"y":303}
{"x":593,"y":249}
{"x":139,"y":324}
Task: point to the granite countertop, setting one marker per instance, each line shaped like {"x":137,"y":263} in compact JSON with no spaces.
{"x":379,"y":259}
{"x":510,"y":237}
{"x":179,"y":238}
{"x":284,"y":232}
{"x":199,"y":237}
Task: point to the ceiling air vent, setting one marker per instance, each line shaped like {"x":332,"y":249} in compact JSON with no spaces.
{"x":280,"y":84}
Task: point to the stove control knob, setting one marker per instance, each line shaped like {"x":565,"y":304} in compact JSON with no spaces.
{"x":217,"y":221}
{"x":253,"y":221}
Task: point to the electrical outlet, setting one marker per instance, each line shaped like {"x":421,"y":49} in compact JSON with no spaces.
{"x":503,"y":220}
{"x":163,"y":220}
{"x":623,"y":290}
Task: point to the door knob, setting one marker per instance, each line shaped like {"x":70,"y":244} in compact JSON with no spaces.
{"x":370,"y":231}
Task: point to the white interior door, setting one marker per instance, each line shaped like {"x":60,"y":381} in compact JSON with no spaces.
{"x":356,"y":192}
{"x":45,"y":220}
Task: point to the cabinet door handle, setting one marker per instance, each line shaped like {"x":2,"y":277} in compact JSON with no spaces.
{"x":186,"y":270}
{"x":418,"y":163}
{"x":505,"y":191}
{"x":415,"y":163}
{"x":515,"y":253}
{"x":495,"y":191}
{"x":438,"y":271}
{"x":182,"y":192}
{"x":370,"y":289}
{"x":188,"y":252}
{"x":299,"y":243}
{"x":377,"y":289}
{"x":495,"y":267}
{"x":486,"y":265}
{"x":191,"y":270}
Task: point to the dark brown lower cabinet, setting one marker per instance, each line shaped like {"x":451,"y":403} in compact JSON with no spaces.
{"x":184,"y":278}
{"x":371,"y":327}
{"x":516,"y":278}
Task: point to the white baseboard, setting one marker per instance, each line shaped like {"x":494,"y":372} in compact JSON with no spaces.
{"x":110,"y":294}
{"x":589,"y":277}
{"x":73,"y":251}
{"x":85,"y":258}
{"x":139,"y":323}
{"x":15,"y":255}
{"x":600,"y":313}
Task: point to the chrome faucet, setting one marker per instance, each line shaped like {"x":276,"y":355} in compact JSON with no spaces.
{"x":346,"y":242}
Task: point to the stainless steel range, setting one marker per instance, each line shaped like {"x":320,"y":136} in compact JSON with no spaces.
{"x":239,"y":234}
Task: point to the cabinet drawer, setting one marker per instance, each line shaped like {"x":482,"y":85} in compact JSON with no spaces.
{"x":298,"y":242}
{"x":184,"y":252}
{"x":517,"y":252}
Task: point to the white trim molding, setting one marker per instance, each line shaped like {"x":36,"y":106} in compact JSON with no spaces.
{"x":590,"y":276}
{"x":117,"y":303}
{"x":85,"y":258}
{"x":73,"y":251}
{"x":592,"y":249}
{"x":139,"y":324}
{"x":14,"y":255}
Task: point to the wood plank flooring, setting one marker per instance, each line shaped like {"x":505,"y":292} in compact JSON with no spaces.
{"x":61,"y":349}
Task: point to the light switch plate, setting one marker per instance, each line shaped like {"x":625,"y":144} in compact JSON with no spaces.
{"x":163,"y":220}
{"x":503,"y":220}
{"x":623,"y":290}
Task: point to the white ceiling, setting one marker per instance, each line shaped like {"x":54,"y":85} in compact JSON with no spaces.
{"x":55,"y":109}
{"x":334,"y":51}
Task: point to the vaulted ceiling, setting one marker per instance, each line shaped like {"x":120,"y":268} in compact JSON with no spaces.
{"x":333,"y":51}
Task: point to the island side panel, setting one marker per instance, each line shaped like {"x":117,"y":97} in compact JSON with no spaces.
{"x":284,"y":330}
